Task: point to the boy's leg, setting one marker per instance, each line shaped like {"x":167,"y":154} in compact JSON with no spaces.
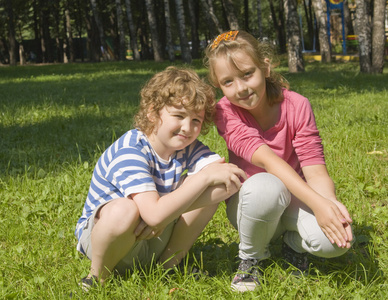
{"x":186,"y":230}
{"x":112,"y":235}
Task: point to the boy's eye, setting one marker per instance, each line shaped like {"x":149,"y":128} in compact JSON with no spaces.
{"x":247,"y":74}
{"x":178,"y":116}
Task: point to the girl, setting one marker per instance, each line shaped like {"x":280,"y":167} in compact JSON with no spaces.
{"x":271,"y":134}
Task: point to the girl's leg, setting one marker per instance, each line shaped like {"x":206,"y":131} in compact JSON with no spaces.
{"x":112,"y":235}
{"x":304,"y":234}
{"x":186,"y":230}
{"x":256,"y":212}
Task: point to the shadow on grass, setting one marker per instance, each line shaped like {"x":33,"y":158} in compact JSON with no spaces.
{"x":358,"y":264}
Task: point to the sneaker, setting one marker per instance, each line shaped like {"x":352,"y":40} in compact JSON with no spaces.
{"x":247,"y":276}
{"x":298,"y":260}
{"x":88,"y":283}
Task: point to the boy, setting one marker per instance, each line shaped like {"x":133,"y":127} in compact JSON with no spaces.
{"x":140,"y":204}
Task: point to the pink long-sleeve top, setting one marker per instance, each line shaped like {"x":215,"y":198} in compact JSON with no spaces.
{"x":295,"y":137}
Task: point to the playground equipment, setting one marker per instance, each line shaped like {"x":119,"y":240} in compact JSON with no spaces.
{"x":331,"y":5}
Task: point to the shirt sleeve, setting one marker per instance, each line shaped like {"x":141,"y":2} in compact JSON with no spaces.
{"x":129,"y":172}
{"x":232,"y":124}
{"x":199,"y":157}
{"x":307,"y":142}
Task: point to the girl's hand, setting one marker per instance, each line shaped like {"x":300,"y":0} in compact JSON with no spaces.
{"x":334,"y":219}
{"x":228,"y":174}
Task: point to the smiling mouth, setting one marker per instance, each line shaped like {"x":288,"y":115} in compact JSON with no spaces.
{"x":246,"y":97}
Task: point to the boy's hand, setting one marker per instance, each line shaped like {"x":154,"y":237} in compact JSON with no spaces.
{"x":221,"y":172}
{"x":145,"y":232}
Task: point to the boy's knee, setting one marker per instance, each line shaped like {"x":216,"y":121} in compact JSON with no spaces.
{"x":264,"y":194}
{"x":121,"y":214}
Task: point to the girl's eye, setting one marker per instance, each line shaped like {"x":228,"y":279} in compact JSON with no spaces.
{"x":247,"y":74}
{"x":180,"y":117}
{"x":198,"y":121}
{"x":227,"y":82}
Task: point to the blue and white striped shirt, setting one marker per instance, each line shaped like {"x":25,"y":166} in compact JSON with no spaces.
{"x":130,"y":165}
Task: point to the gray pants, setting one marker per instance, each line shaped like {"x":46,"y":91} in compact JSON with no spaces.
{"x":264,"y":209}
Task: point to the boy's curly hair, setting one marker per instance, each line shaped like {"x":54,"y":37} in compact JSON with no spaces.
{"x":170,"y":87}
{"x":262,"y":55}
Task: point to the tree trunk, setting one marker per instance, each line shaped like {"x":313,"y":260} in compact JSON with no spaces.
{"x":100,"y":27}
{"x":378,"y":36}
{"x":120,"y":28}
{"x":279,"y":25}
{"x":186,"y":55}
{"x":211,"y":19}
{"x":230,"y":14}
{"x":194,"y":13}
{"x":69,"y":36}
{"x":295,"y":56}
{"x":11,"y":34}
{"x":259,"y":18}
{"x":324,"y":45}
{"x":170,"y":45}
{"x":38,"y":49}
{"x":363,"y":30}
{"x":154,"y":32}
{"x":348,"y":19}
{"x":132,"y":31}
{"x":246,"y":15}
{"x":310,"y":20}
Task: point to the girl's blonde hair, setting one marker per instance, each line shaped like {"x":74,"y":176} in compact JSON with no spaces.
{"x":261,"y":53}
{"x":174,"y":87}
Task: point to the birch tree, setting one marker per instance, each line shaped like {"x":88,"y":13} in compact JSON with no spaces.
{"x":322,"y":31}
{"x":230,"y":14}
{"x":154,"y":32}
{"x":132,"y":31}
{"x":120,"y":28}
{"x":295,"y":56}
{"x":378,"y":36}
{"x":363,"y":30}
{"x":170,"y":45}
{"x":186,"y":55}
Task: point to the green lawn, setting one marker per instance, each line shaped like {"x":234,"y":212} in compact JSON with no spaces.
{"x":56,"y":120}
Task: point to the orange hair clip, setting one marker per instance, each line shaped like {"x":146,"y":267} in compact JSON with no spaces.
{"x":226,"y":36}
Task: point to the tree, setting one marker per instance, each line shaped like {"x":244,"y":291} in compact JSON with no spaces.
{"x":324,"y":45}
{"x":11,"y":34}
{"x":170,"y":45}
{"x":154,"y":32}
{"x":211,"y":19}
{"x":259,"y":18}
{"x":363,"y":30}
{"x":100,"y":28}
{"x":378,"y":36}
{"x":295,"y":56}
{"x":230,"y":15}
{"x":132,"y":31}
{"x":279,"y":25}
{"x":120,"y":27}
{"x":186,"y":55}
{"x":194,"y":13}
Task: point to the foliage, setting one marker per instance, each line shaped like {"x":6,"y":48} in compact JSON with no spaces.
{"x":55,"y":121}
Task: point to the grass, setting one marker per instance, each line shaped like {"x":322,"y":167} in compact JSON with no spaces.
{"x":56,"y":120}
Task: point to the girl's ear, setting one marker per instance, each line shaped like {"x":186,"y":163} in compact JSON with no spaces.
{"x":267,"y":67}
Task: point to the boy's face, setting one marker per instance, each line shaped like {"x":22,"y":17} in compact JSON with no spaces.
{"x":176,"y":129}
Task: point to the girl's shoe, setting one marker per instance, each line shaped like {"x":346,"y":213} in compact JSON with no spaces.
{"x":247,"y":276}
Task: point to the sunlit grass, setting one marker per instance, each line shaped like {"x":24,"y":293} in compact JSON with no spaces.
{"x":56,"y":120}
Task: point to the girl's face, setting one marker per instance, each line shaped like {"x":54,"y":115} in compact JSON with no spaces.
{"x":244,"y":86}
{"x":176,"y":129}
